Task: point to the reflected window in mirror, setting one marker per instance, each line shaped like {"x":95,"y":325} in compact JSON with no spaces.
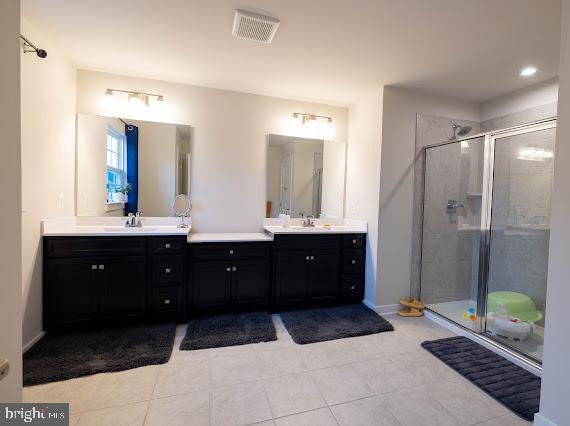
{"x":116,"y":161}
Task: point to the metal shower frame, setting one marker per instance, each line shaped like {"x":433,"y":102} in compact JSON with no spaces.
{"x":485,"y":230}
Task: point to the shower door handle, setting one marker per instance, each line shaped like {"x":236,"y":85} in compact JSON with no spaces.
{"x":452,"y":206}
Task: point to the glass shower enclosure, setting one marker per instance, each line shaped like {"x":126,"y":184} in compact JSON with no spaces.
{"x":486,"y":228}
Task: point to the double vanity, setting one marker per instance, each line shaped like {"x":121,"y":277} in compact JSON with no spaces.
{"x":96,"y":270}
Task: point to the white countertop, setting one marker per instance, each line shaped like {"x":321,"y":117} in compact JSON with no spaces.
{"x":337,"y":226}
{"x":202,"y":237}
{"x":91,"y":226}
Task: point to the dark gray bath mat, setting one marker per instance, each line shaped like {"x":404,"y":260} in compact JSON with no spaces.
{"x":511,"y":385}
{"x":330,"y":323}
{"x":215,"y":331}
{"x":65,"y":355}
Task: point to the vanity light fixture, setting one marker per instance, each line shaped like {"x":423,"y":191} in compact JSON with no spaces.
{"x":315,"y":125}
{"x":138,"y":99}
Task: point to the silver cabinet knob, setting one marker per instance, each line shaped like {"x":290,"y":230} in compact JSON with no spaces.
{"x":167,"y":301}
{"x":231,"y":252}
{"x":167,"y":270}
{"x":308,"y":258}
{"x":167,"y":245}
{"x":312,"y":257}
{"x":101,"y":266}
{"x":353,"y":261}
{"x":234,"y":268}
{"x":228,"y":269}
{"x":352,"y":287}
{"x":353,"y":241}
{"x":93,"y":266}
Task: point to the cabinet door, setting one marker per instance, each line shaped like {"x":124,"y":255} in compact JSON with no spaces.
{"x":72,"y":293}
{"x":250,"y":283}
{"x":211,"y":282}
{"x":124,"y":293}
{"x":291,"y":277}
{"x":324,"y":275}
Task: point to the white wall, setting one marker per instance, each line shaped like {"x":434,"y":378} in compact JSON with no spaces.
{"x":91,"y":176}
{"x":229,"y":141}
{"x":10,"y":175}
{"x":48,"y":160}
{"x":554,"y":407}
{"x":363,"y":177}
{"x":532,"y":96}
{"x":397,"y":182}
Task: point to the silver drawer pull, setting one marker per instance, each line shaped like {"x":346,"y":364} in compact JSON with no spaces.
{"x":353,"y":262}
{"x":312,"y":257}
{"x":93,"y":266}
{"x":167,"y":301}
{"x":231,"y":252}
{"x":353,"y":241}
{"x":101,"y":266}
{"x":352,"y":287}
{"x":234,"y":268}
{"x":308,"y":258}
{"x":167,"y":245}
{"x":228,"y":269}
{"x":167,"y":271}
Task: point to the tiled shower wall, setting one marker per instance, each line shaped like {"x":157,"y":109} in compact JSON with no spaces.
{"x":449,"y":274}
{"x":450,"y":262}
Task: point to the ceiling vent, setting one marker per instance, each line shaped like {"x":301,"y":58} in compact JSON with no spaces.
{"x":254,"y":27}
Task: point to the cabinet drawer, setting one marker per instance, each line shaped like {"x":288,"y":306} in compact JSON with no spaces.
{"x":230,"y":251}
{"x":353,"y":240}
{"x":304,"y":242}
{"x":94,"y":246}
{"x":168,"y":270}
{"x":168,"y":301}
{"x":352,"y":286}
{"x":167,"y":245}
{"x":352,"y":260}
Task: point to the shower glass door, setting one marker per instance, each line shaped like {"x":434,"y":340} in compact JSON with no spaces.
{"x":453,"y":183}
{"x":520,"y":232}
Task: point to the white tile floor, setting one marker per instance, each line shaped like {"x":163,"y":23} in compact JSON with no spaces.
{"x":382,"y":379}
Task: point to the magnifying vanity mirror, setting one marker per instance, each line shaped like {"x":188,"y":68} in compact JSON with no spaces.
{"x":127,"y":166}
{"x":305,"y":176}
{"x":182,"y":207}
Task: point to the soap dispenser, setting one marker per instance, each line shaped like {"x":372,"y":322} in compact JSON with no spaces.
{"x":285,"y":218}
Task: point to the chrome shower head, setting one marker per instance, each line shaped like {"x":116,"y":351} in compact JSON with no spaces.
{"x":459,"y":130}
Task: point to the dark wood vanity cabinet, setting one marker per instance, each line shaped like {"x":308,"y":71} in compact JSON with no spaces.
{"x":317,"y":269}
{"x":229,"y":276}
{"x":88,"y":280}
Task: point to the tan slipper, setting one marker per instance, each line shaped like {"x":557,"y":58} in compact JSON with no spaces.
{"x":410,"y":312}
{"x":412,"y":302}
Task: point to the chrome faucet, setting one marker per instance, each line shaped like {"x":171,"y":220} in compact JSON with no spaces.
{"x":134,"y":220}
{"x":309,"y":220}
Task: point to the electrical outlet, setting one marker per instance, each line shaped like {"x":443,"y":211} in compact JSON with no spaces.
{"x":60,"y":198}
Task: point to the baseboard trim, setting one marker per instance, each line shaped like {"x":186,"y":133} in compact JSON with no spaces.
{"x":482,"y":341}
{"x":540,"y":420}
{"x":32,"y":342}
{"x":382,"y":309}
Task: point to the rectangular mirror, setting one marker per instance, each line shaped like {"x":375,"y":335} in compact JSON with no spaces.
{"x":305,"y":176}
{"x":125,"y":166}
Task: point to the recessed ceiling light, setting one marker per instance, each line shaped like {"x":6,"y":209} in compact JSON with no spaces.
{"x":528,"y":71}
